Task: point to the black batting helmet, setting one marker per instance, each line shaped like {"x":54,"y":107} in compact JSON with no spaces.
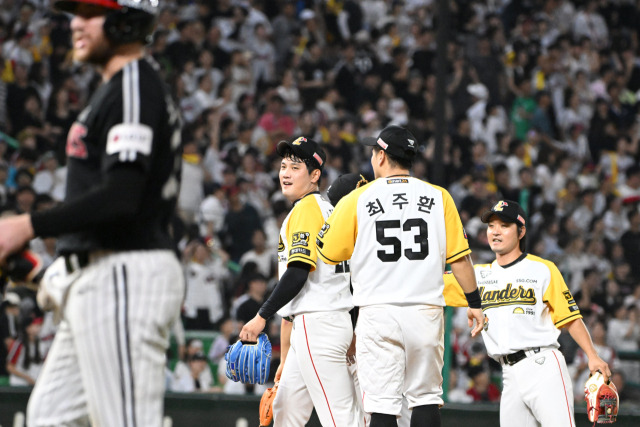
{"x":126,"y":20}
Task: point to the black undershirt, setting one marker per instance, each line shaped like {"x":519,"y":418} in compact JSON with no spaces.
{"x":289,"y":286}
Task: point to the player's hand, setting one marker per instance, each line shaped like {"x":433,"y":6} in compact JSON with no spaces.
{"x":351,"y":352}
{"x":252,"y":329}
{"x":276,"y":378}
{"x":15,"y":232}
{"x":597,"y":364}
{"x":476,"y":314}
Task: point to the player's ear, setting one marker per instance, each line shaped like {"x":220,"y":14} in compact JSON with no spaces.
{"x":315,"y":175}
{"x":523,"y":231}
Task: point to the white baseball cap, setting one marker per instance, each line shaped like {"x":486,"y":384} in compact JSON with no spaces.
{"x":478,"y":90}
{"x":12,"y":298}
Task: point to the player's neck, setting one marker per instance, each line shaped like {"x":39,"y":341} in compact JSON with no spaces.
{"x":124,"y":54}
{"x":389,"y":172}
{"x":508,"y":258}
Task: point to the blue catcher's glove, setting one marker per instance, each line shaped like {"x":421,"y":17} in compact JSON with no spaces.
{"x":249,"y":363}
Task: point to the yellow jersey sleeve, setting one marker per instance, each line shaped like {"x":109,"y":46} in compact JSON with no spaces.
{"x":302,"y":229}
{"x":453,"y":294}
{"x":457,"y":243}
{"x":562,"y":306}
{"x":337,"y":238}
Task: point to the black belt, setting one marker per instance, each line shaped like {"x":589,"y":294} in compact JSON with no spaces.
{"x":76,"y":260}
{"x":513,"y":358}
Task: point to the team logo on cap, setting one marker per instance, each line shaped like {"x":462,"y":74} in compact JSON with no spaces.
{"x":299,"y":141}
{"x":411,"y":142}
{"x":499,"y":206}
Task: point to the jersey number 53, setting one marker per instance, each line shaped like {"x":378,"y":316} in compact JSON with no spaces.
{"x":420,"y":231}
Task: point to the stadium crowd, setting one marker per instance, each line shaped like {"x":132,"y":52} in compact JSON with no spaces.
{"x":542,"y":107}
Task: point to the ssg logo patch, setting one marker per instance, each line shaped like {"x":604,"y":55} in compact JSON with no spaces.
{"x":300,"y":239}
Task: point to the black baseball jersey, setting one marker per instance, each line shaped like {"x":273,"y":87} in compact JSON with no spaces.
{"x":130,"y":122}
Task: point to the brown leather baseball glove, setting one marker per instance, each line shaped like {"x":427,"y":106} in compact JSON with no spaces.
{"x":266,"y":406}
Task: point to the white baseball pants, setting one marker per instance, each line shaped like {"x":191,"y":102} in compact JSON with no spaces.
{"x":537,"y":391}
{"x":107,"y":361}
{"x":316,"y":374}
{"x":400,"y":351}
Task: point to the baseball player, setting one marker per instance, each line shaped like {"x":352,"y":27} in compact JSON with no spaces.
{"x":316,"y":300}
{"x":527,"y":300}
{"x":398,"y":232}
{"x":118,"y":283}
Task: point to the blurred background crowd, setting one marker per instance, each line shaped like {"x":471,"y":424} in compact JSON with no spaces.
{"x":542,"y":107}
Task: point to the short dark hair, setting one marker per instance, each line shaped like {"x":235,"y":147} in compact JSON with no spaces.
{"x":311,"y":163}
{"x":395,"y":161}
{"x":523,"y":241}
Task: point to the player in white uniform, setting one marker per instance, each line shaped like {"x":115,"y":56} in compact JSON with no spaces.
{"x":398,"y":233}
{"x":315,"y":296}
{"x":527,"y":300}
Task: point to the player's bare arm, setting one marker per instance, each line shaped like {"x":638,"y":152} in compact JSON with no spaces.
{"x":15,"y":232}
{"x":285,"y":343}
{"x":463,"y":271}
{"x":581,"y":336}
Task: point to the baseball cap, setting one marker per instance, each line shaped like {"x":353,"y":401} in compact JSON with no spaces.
{"x":478,"y":90}
{"x":303,"y":148}
{"x":12,"y":298}
{"x":395,"y":140}
{"x":343,"y":185}
{"x":196,"y":343}
{"x":199,"y":356}
{"x":508,"y":211}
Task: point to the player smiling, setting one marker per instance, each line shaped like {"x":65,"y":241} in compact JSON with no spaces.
{"x":527,"y":301}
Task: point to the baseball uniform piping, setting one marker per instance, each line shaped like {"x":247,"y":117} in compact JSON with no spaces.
{"x":567,"y":318}
{"x":459,"y":253}
{"x":124,"y":353}
{"x":564,"y":387}
{"x":306,"y":337}
{"x":325,"y":257}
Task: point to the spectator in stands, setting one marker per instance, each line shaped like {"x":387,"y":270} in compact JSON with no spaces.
{"x":203,"y":305}
{"x":275,"y":121}
{"x":9,"y":312}
{"x":264,"y":256}
{"x":26,"y":354}
{"x":191,"y":189}
{"x":482,"y":389}
{"x":219,"y":346}
{"x":255,"y":297}
{"x":630,"y":241}
{"x":630,"y":190}
{"x":240,"y":222}
{"x":212,"y":211}
{"x":195,"y":378}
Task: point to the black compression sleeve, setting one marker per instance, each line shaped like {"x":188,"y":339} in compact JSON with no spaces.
{"x":289,"y":286}
{"x":116,"y":199}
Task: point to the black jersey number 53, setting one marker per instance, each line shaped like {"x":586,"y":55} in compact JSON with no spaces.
{"x":417,"y":226}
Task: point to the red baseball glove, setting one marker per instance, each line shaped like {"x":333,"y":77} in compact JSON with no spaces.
{"x":602,"y":400}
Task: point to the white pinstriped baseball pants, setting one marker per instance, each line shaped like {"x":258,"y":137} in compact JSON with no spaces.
{"x":107,"y":360}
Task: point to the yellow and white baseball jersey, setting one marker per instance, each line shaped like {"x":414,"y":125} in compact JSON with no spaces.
{"x":327,"y":288}
{"x":526,"y":302}
{"x":398,"y":232}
